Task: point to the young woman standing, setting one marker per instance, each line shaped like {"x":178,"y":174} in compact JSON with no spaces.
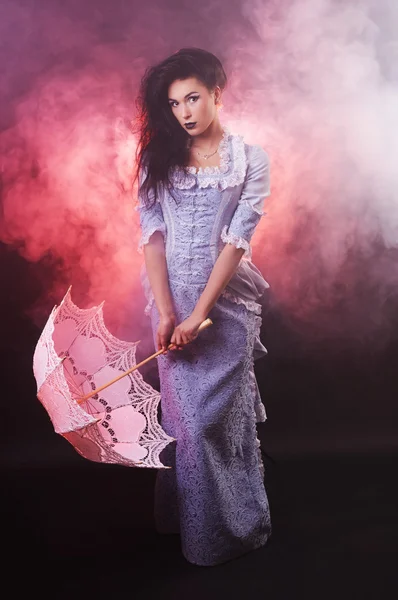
{"x":201,"y":196}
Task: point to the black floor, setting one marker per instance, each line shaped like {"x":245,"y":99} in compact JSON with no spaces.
{"x":81,"y":530}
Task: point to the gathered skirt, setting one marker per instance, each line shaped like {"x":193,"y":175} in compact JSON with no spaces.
{"x":213,"y":495}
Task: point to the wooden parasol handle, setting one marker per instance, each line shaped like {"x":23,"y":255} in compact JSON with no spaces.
{"x":206,"y":323}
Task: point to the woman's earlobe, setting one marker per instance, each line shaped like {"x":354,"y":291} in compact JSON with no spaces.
{"x":217,"y":96}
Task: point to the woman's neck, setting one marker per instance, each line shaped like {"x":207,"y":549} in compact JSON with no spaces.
{"x":209,"y":138}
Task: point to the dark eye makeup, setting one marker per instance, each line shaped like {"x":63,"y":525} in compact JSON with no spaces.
{"x":173,"y":103}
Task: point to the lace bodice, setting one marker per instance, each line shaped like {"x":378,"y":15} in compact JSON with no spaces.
{"x":212,"y":207}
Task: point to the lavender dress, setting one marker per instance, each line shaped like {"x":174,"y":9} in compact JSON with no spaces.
{"x":214,"y":493}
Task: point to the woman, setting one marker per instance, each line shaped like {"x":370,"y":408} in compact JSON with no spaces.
{"x":201,"y":196}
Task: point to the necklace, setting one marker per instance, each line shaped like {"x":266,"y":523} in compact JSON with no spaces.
{"x":207,"y":156}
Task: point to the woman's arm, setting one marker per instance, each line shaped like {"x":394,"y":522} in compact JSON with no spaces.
{"x":156,"y":267}
{"x":224,"y":267}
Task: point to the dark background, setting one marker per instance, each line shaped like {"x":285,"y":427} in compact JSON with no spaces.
{"x":330,"y":444}
{"x":330,"y":455}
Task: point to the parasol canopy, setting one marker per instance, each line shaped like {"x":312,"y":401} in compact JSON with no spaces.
{"x":89,"y":383}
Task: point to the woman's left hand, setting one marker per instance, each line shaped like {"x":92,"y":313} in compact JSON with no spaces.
{"x":186,"y":331}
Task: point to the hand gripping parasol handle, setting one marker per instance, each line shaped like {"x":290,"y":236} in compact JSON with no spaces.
{"x":206,"y":323}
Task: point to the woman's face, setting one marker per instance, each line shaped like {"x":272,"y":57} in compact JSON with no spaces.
{"x":193,"y":105}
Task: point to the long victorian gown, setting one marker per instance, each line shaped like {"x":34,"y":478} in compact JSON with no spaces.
{"x":214,"y":494}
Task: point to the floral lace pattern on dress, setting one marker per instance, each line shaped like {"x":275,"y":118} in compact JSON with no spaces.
{"x":214,"y":494}
{"x":251,"y":306}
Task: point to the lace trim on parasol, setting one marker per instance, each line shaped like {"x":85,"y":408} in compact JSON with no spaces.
{"x":74,"y":356}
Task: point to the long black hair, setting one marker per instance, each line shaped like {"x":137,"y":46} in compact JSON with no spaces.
{"x":163,"y":143}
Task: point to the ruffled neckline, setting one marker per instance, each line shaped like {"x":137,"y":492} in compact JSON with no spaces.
{"x":230,"y":172}
{"x":223,"y":151}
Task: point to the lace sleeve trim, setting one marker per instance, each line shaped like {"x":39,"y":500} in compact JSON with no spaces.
{"x":249,"y":205}
{"x":147,"y":235}
{"x":237,"y":241}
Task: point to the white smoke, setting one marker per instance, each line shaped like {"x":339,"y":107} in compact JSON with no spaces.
{"x":317,"y":86}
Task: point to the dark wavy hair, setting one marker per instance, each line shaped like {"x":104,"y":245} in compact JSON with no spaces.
{"x":163,"y":143}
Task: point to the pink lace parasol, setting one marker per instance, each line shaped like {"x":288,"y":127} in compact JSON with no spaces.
{"x":89,"y":383}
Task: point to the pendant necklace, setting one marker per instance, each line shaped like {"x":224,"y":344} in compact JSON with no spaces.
{"x":207,"y":156}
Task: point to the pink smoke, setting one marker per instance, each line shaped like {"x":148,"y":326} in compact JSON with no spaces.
{"x":67,"y":178}
{"x":311,"y":81}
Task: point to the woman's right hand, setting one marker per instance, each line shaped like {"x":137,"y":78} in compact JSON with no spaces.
{"x":165,"y":330}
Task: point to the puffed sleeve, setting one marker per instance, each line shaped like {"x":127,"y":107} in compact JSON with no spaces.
{"x":251,"y":202}
{"x":151,"y":218}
